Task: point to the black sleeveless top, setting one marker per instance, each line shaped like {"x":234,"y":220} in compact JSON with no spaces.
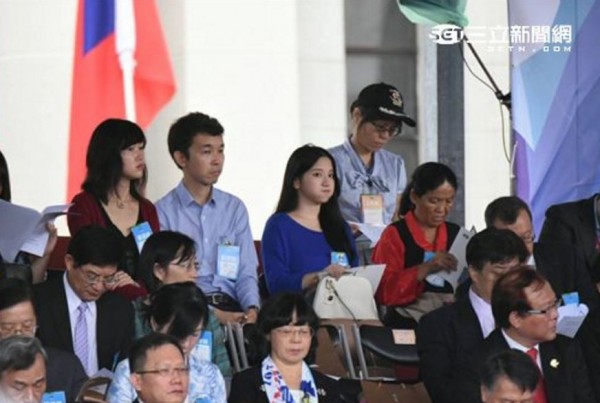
{"x":131,"y":254}
{"x":414,"y":254}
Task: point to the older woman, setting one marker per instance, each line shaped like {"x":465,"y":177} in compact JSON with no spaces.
{"x":178,"y":310}
{"x":415,"y":247}
{"x":286,"y":326}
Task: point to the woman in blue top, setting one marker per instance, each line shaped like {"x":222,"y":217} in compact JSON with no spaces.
{"x":307,"y":226}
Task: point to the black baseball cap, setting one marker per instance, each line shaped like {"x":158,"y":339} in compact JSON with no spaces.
{"x":385,"y":100}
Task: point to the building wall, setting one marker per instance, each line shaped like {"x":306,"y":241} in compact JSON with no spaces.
{"x":271,"y":71}
{"x":274,"y":73}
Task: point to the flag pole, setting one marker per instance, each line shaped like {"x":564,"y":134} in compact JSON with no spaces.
{"x":125,"y":48}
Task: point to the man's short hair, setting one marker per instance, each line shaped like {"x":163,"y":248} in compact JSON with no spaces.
{"x":95,"y":245}
{"x":14,"y":291}
{"x":506,"y":210}
{"x":515,"y":365}
{"x":495,"y":246}
{"x":508,"y":294}
{"x":139,"y":351}
{"x":19,"y":352}
{"x":183,"y":131}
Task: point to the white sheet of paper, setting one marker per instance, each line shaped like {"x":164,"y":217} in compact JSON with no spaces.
{"x":458,"y":250}
{"x":570,"y":318}
{"x":18,"y":223}
{"x":37,"y":240}
{"x":372,"y":272}
{"x":373,"y":232}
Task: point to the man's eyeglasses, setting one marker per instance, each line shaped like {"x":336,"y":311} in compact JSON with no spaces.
{"x":28,"y":327}
{"x":548,"y":310}
{"x":93,"y":279}
{"x":393,"y":130}
{"x":166,"y":372}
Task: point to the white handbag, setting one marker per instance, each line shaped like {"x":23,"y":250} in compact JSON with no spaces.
{"x":349,"y":297}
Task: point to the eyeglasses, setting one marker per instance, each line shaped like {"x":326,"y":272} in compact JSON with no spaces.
{"x":166,"y":372}
{"x":393,"y":130}
{"x":93,"y":279}
{"x":548,"y":310}
{"x":28,"y":327}
{"x":189,"y":266}
{"x":289,"y":331}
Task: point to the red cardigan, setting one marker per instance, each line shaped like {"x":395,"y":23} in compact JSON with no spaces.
{"x":399,"y":284}
{"x":86,"y":211}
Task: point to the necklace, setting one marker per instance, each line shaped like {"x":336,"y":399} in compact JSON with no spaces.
{"x":121,"y":204}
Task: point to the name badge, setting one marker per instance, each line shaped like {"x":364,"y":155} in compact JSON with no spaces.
{"x":228,"y":261}
{"x":571,"y":298}
{"x":204,"y":346}
{"x":339,"y":258}
{"x":372,"y":208}
{"x":54,"y":397}
{"x":141,"y":233}
{"x":432,"y":279}
{"x":202,"y":400}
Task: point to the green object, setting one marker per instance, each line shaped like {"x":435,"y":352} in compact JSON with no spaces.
{"x":435,"y":12}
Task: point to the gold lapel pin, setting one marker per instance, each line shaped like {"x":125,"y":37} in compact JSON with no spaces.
{"x":554,"y":363}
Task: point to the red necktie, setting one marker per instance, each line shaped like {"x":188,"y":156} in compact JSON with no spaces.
{"x":540,"y":391}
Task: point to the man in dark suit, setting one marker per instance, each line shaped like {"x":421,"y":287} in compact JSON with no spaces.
{"x":561,"y":259}
{"x":159,"y":372}
{"x":526,"y":311}
{"x":22,"y":370}
{"x":64,"y":372}
{"x":76,"y":313}
{"x":557,"y":258}
{"x":447,"y":335}
{"x":574,"y":223}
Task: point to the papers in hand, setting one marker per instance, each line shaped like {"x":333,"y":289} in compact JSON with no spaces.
{"x":458,"y":250}
{"x":371,"y":231}
{"x":570,"y":318}
{"x":24,"y":229}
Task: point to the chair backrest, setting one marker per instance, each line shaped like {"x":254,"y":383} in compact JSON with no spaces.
{"x":57,"y":258}
{"x":381,"y":342}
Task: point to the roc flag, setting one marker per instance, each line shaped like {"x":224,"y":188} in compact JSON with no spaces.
{"x":98,"y":78}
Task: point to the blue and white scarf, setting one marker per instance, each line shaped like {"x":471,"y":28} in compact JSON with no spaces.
{"x":278,"y":392}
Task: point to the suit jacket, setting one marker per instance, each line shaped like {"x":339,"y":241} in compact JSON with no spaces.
{"x":565,"y":268}
{"x":445,"y":338}
{"x":64,"y":373}
{"x":566,"y":380}
{"x":114,"y":322}
{"x":574,"y":223}
{"x":247,"y":387}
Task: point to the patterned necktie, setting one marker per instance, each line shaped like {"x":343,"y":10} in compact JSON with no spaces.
{"x":81,"y":336}
{"x":540,"y":390}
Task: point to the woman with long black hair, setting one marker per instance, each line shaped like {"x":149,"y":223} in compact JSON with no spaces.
{"x":307,"y":234}
{"x":112,"y":195}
